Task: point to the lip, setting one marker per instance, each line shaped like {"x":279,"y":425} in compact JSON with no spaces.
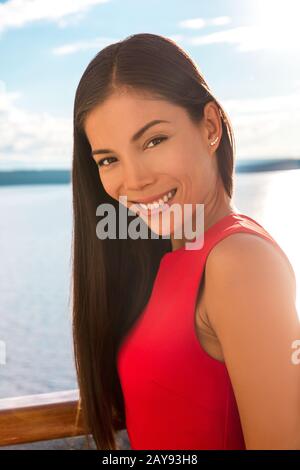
{"x":154,"y":211}
{"x":152,"y":198}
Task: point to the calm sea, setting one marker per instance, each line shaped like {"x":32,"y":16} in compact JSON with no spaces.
{"x":35,"y":271}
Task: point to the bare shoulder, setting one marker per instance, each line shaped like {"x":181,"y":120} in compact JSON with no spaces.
{"x":246,"y":264}
{"x":250,"y":302}
{"x":248,"y":247}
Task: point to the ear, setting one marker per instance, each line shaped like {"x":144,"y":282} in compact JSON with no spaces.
{"x":212,"y":125}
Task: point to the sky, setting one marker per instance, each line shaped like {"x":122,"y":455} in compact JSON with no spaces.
{"x":248,"y":52}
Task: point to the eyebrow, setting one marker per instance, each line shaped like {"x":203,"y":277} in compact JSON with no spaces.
{"x":135,"y":136}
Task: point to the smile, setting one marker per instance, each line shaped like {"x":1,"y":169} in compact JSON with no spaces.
{"x":161,"y":202}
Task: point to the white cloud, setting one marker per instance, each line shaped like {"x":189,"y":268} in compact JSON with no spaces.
{"x":248,"y":38}
{"x":220,"y":20}
{"x":274,"y":26}
{"x":195,"y":23}
{"x":97,"y":43}
{"x":100,"y":42}
{"x":267,"y":126}
{"x":30,"y":139}
{"x":17,"y":13}
{"x":239,"y":35}
{"x":198,"y":23}
{"x":263,"y":127}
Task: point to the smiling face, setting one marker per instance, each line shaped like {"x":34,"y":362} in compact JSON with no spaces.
{"x":146,"y":166}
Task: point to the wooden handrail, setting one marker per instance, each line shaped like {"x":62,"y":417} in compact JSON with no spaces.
{"x":40,"y":417}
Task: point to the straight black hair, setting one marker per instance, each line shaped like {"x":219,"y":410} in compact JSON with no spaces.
{"x":112,"y":279}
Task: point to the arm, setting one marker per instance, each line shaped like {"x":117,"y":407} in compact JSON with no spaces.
{"x":250,"y":301}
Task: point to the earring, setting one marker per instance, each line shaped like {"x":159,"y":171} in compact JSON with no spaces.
{"x":214,"y":141}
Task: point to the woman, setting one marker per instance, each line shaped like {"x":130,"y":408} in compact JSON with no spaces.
{"x":207,"y":365}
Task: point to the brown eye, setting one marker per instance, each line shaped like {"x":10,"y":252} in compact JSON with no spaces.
{"x":162,"y":138}
{"x":101,"y":162}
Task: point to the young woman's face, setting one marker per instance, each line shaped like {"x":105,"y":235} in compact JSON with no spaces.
{"x":170,"y":155}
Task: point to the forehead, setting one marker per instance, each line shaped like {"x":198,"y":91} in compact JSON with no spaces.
{"x":129,"y":111}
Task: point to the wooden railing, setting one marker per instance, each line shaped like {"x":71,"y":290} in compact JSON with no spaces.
{"x":40,"y":417}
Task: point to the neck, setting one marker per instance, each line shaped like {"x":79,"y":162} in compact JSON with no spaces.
{"x":212,"y":213}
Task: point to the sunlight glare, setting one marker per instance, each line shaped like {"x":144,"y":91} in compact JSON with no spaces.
{"x":277,"y":24}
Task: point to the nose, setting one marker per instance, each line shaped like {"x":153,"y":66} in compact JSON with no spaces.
{"x":136,"y":176}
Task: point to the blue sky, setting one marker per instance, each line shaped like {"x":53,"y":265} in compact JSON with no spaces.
{"x":248,"y":52}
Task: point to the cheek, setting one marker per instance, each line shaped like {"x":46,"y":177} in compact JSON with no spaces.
{"x":174,"y":162}
{"x":191,"y":170}
{"x":187,"y":166}
{"x":186,"y":155}
{"x":109,"y":185}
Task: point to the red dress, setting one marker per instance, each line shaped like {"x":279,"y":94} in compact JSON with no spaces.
{"x":176,"y":395}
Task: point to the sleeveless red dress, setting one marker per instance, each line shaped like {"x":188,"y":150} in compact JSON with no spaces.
{"x":176,"y":395}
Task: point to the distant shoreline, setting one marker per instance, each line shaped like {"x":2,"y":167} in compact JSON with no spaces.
{"x":22,"y":177}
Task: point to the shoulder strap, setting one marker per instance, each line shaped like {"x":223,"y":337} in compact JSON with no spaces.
{"x":243,"y":223}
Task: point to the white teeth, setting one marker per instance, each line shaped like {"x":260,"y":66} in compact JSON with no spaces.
{"x":159,"y":203}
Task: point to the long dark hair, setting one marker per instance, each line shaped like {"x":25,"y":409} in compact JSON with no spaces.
{"x":112,"y":279}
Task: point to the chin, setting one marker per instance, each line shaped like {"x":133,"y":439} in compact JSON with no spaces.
{"x":164,"y":229}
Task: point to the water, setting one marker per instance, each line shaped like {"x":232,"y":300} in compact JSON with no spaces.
{"x":35,"y":253}
{"x":35,"y":271}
